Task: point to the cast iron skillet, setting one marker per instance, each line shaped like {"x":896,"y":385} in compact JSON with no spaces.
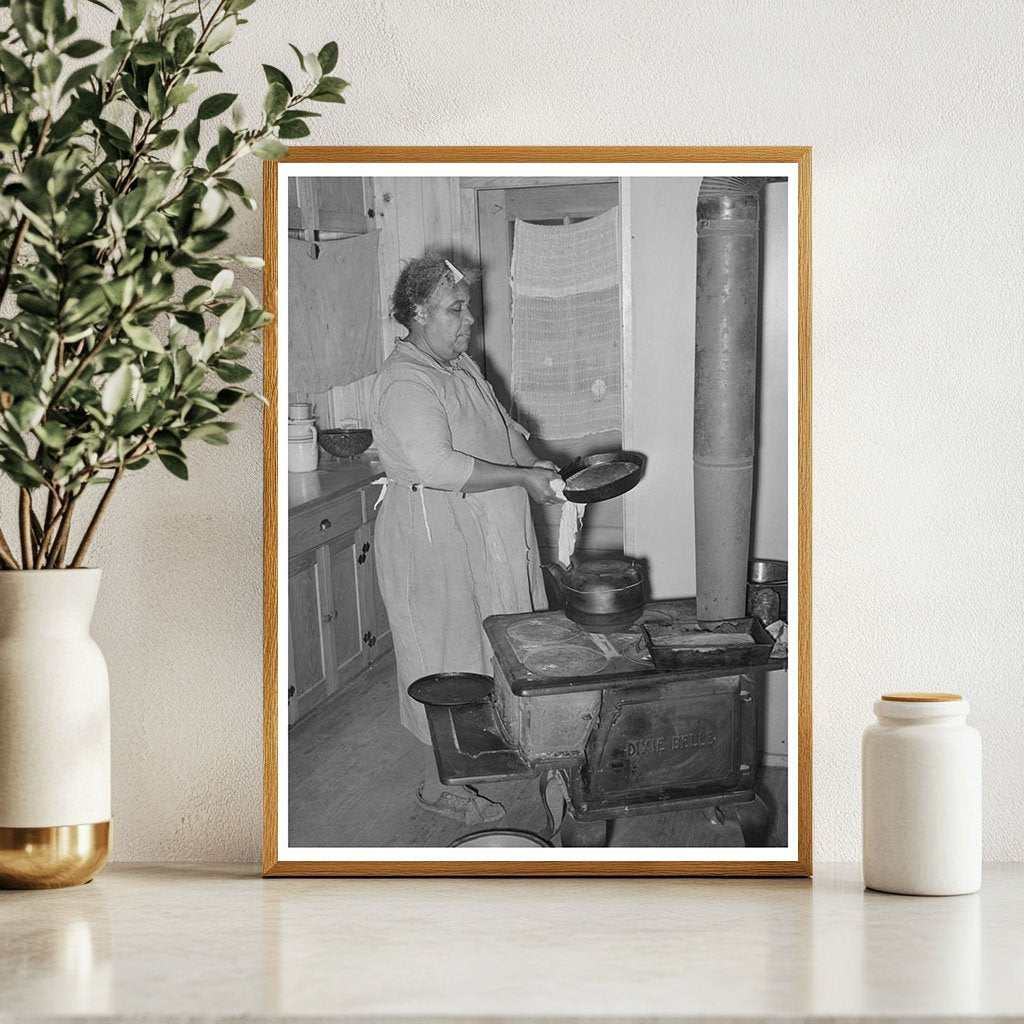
{"x":449,"y":689}
{"x":586,"y":478}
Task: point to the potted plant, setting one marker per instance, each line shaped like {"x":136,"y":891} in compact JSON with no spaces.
{"x":122,"y":340}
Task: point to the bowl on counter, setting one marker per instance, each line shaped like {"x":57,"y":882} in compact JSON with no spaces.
{"x":346,"y":442}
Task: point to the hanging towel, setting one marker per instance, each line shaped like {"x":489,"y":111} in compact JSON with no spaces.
{"x":567,"y":327}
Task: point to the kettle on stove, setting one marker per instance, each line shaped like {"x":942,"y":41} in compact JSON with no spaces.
{"x":603,"y":595}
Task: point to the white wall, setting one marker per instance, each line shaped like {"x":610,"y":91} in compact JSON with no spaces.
{"x":913,"y":110}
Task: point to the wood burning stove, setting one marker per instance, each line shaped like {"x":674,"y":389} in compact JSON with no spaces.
{"x":608,"y":734}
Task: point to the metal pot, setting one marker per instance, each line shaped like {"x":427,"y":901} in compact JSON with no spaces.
{"x":605,"y":595}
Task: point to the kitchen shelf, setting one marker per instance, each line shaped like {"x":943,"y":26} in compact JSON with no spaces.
{"x":181,"y":942}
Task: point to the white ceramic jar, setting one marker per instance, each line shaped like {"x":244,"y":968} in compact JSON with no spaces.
{"x":921,"y":789}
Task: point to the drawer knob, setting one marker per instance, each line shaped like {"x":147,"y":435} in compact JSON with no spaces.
{"x":372,"y":640}
{"x":325,"y":524}
{"x":366,"y":637}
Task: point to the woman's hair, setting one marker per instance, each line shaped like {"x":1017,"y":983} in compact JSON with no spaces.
{"x":417,"y":281}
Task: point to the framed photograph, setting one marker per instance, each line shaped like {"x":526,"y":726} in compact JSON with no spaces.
{"x":538,"y":511}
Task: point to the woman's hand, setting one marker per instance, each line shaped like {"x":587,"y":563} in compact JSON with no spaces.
{"x":544,"y":464}
{"x":537,"y":481}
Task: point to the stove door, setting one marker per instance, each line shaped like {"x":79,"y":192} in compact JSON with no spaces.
{"x":680,"y":743}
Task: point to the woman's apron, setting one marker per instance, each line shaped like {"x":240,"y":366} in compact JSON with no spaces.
{"x":447,"y":560}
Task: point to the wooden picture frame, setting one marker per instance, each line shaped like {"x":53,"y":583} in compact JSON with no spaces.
{"x":651,"y":183}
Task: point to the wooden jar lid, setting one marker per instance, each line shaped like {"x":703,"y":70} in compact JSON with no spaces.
{"x":921,"y":698}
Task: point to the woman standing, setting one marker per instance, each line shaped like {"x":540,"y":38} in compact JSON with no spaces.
{"x":454,"y":541}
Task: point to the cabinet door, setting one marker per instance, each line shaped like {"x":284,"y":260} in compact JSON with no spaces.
{"x":380,"y":629}
{"x":348,"y":621}
{"x":307,"y":639}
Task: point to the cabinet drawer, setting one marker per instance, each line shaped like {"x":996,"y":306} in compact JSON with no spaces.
{"x":325,"y":522}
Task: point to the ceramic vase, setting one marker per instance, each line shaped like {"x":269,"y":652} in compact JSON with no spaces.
{"x":921,"y":779}
{"x":54,"y":731}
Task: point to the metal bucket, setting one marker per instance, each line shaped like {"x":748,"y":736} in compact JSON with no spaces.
{"x":500,"y":837}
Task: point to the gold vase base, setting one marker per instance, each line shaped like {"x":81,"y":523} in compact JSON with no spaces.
{"x":53,"y":857}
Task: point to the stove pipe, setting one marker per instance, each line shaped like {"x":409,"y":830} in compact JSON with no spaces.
{"x":725,"y":381}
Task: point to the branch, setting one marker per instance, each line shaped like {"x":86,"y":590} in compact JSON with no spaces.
{"x":56,"y":555}
{"x":96,"y":517}
{"x":51,"y":525}
{"x":6,"y":555}
{"x":25,"y":520}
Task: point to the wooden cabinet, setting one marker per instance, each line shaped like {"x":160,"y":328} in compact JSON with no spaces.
{"x":337,"y":624}
{"x":336,"y":206}
{"x":343,"y":577}
{"x":307,"y":649}
{"x":380,"y":641}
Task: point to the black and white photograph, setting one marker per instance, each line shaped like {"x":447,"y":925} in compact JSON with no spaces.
{"x":538,"y":587}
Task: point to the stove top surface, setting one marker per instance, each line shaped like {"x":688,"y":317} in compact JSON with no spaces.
{"x":544,"y":652}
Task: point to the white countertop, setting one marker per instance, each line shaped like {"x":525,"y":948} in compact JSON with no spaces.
{"x":179,"y":941}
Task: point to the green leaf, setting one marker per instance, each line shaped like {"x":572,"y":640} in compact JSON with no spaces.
{"x":292,"y":130}
{"x":181,"y":94}
{"x":310,"y":65}
{"x":156,"y":100}
{"x":324,"y":96}
{"x":53,"y":435}
{"x":227,"y":397}
{"x":116,"y":390}
{"x":211,"y":433}
{"x":16,"y":70}
{"x":222,"y":282}
{"x":163,"y":139}
{"x":28,"y":25}
{"x":133,"y":12}
{"x":193,"y":379}
{"x":53,"y":14}
{"x":184,"y":44}
{"x":49,"y":68}
{"x":328,"y":58}
{"x":149,"y":53}
{"x":77,"y":79}
{"x":232,"y":319}
{"x":195,"y":297}
{"x":334,"y":84}
{"x":26,"y":414}
{"x":128,"y":421}
{"x":214,"y":105}
{"x":221,"y":35}
{"x":232,"y":373}
{"x":83,"y":48}
{"x":276,"y":99}
{"x":175,"y":465}
{"x":269,"y":149}
{"x":144,"y":338}
{"x":278,"y":77}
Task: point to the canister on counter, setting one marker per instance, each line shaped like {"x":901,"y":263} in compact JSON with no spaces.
{"x":921,"y":792}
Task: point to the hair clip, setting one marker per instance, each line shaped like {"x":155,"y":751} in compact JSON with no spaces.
{"x":457,"y":275}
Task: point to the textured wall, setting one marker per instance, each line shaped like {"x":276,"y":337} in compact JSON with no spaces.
{"x":913,"y":110}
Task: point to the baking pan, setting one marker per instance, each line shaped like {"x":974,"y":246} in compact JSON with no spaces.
{"x":602,"y":476}
{"x":670,"y":650}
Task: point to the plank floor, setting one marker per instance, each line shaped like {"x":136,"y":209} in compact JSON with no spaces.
{"x":353,"y":772}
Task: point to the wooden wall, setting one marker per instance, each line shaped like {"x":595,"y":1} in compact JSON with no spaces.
{"x":411,"y":215}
